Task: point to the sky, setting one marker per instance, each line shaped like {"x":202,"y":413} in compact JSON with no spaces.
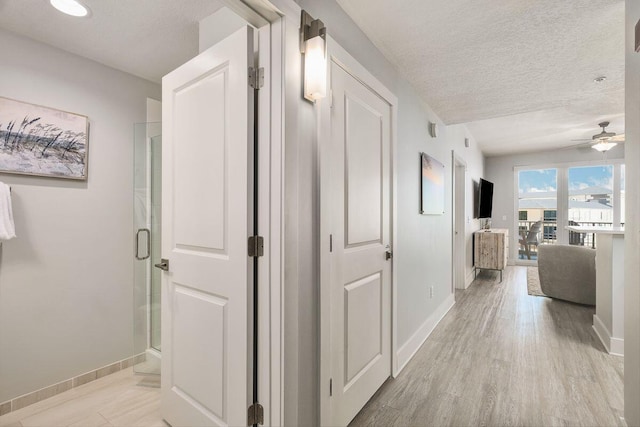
{"x":579,"y":178}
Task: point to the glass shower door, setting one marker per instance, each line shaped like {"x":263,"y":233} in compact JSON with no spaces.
{"x":146,"y":227}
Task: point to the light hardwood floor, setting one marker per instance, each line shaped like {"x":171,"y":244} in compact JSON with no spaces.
{"x":504,"y":358}
{"x":499,"y":358}
{"x":120,"y":399}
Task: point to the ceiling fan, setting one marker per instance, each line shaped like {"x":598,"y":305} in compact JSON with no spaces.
{"x":603,"y":141}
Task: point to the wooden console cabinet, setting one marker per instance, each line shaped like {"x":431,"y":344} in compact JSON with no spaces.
{"x":491,"y":248}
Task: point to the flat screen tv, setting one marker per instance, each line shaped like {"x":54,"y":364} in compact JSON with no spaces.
{"x":485,"y":198}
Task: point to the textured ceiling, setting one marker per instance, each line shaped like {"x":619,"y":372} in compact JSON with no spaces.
{"x":146,"y":38}
{"x":517,"y":69}
{"x":520,"y":73}
{"x":540,"y":130}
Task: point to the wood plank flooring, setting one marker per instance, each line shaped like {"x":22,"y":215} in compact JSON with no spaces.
{"x":504,"y":358}
{"x":499,"y":358}
{"x":120,"y":399}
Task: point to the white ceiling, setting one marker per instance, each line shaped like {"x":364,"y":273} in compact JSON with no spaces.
{"x":146,"y":38}
{"x":520,"y":73}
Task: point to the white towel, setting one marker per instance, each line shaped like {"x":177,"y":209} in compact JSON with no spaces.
{"x":7,"y":228}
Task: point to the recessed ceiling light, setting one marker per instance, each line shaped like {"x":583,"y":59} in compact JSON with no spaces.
{"x":600,"y":79}
{"x":71,"y":7}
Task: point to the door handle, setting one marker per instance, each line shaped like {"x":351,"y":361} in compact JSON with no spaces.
{"x":163,"y":265}
{"x":145,"y":230}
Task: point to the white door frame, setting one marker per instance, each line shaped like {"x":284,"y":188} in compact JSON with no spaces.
{"x":340,"y":56}
{"x":271,"y":19}
{"x":459,"y":224}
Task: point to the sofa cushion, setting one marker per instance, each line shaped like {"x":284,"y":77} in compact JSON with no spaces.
{"x":568,"y":273}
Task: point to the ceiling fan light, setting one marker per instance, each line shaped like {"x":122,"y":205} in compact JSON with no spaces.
{"x":71,"y":7}
{"x":604,"y":146}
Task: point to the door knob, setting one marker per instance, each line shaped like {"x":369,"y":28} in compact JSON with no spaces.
{"x":163,"y":265}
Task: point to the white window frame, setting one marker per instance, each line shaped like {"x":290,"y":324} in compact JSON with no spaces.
{"x":562,"y":195}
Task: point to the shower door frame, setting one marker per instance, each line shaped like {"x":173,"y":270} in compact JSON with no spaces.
{"x":151,"y":237}
{"x":150,"y":224}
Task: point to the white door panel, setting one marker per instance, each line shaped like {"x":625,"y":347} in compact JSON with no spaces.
{"x":363,"y":178}
{"x":360,"y":274}
{"x":363,"y":309}
{"x":207,"y":130}
{"x":199,"y":115}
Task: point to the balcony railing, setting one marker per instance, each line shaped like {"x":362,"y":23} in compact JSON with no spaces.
{"x":548,"y":233}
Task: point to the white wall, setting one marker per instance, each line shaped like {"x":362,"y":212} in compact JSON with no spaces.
{"x":499,"y":170}
{"x":423,"y":253}
{"x":475,"y":161}
{"x":66,"y":286}
{"x":632,"y":234}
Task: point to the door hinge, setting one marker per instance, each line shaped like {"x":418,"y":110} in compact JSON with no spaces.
{"x":330,"y":242}
{"x":255,"y":415}
{"x":256,"y":77}
{"x":330,"y":387}
{"x":256,"y":246}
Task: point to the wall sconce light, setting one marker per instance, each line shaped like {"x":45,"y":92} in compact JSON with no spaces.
{"x":433,"y":130}
{"x":313,"y":45}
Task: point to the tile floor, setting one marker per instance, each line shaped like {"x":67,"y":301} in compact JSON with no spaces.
{"x":121,"y":399}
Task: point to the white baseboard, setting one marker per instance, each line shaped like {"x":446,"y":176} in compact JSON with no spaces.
{"x":601,"y":332}
{"x":617,"y":347}
{"x":469,"y":279}
{"x":411,"y":347}
{"x":613,"y":345}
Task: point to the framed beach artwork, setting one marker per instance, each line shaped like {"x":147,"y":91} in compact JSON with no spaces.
{"x":431,"y":186}
{"x":42,"y":141}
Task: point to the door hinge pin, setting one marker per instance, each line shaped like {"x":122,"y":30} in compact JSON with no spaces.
{"x":255,"y":414}
{"x":256,"y":77}
{"x":256,"y":246}
{"x":330,"y":387}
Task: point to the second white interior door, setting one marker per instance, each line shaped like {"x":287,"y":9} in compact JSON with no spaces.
{"x":207,"y":161}
{"x":361,"y":228}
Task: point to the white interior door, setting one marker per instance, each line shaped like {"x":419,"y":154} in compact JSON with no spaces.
{"x":360,"y":224}
{"x":207,"y":213}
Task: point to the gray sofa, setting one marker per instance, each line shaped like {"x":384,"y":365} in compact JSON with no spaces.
{"x":568,"y":273}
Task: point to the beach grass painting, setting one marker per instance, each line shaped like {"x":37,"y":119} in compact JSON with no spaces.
{"x":431,"y":186}
{"x":42,"y":141}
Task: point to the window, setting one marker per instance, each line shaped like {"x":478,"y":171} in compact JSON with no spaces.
{"x":590,"y":200}
{"x":537,"y":199}
{"x":590,"y":195}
